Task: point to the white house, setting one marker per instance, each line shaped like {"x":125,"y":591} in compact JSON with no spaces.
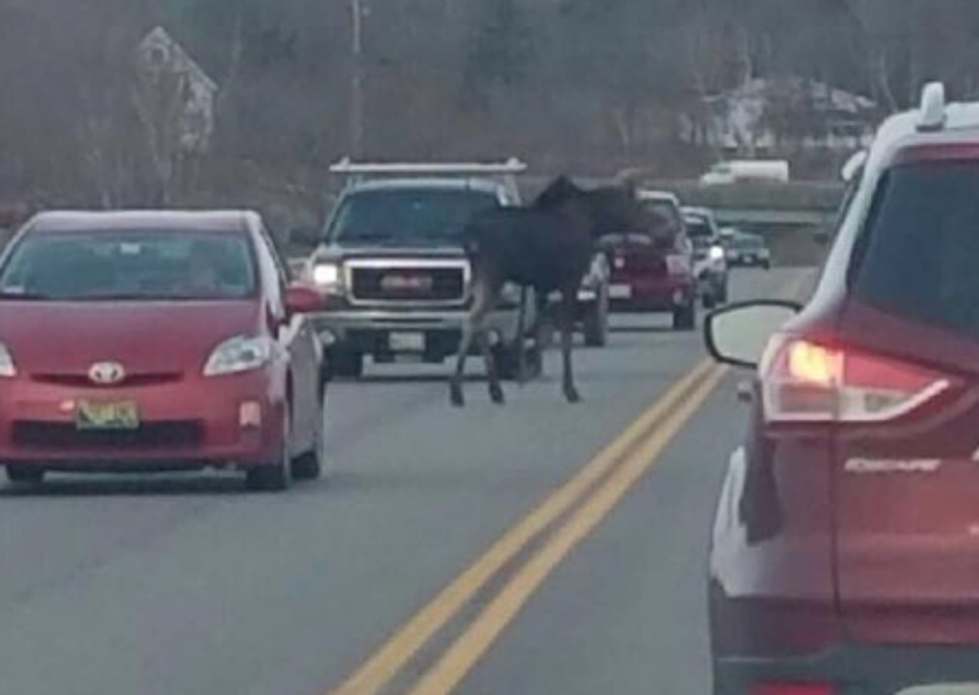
{"x":769,"y":116}
{"x":163,"y":63}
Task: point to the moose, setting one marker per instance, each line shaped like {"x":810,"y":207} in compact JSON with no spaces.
{"x":547,"y":246}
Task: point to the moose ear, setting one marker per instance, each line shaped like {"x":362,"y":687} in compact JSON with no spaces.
{"x":627,"y":180}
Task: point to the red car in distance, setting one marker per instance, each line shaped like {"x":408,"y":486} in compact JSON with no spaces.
{"x":654,"y":272}
{"x":155,"y":341}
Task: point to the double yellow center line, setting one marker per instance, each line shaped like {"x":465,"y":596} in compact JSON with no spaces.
{"x":592,"y":493}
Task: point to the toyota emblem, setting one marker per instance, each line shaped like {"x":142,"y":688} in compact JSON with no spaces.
{"x":106,"y":373}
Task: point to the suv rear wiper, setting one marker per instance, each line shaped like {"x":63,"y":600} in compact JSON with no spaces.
{"x":23,"y":297}
{"x":369,"y":236}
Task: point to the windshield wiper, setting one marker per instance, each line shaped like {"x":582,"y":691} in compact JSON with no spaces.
{"x":367,"y":236}
{"x":22,"y":297}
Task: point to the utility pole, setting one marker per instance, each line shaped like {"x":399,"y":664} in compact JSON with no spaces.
{"x":357,"y":79}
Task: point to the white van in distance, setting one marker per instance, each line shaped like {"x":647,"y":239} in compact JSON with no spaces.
{"x":736,"y":171}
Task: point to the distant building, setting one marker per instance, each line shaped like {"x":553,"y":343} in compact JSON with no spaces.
{"x":778,"y":116}
{"x":185,"y":90}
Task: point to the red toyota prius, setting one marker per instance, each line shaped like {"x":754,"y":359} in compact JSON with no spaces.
{"x":155,"y":341}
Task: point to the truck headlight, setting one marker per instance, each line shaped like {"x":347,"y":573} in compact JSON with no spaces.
{"x":239,"y":354}
{"x":326,"y":275}
{"x":717,"y":253}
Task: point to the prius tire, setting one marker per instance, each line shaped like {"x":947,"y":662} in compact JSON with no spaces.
{"x":309,"y":464}
{"x":276,"y":476}
{"x":25,"y":475}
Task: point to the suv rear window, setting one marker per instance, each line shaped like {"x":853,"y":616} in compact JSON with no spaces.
{"x":921,"y":250}
{"x":700,"y":230}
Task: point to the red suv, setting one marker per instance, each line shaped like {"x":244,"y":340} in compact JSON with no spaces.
{"x":654,"y":272}
{"x":845,"y":555}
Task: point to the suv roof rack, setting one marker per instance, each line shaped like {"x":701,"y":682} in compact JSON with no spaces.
{"x":358,"y":172}
{"x":346,"y":167}
{"x":932,"y":115}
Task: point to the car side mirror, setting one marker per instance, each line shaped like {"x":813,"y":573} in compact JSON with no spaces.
{"x":738,"y":334}
{"x":302,"y":299}
{"x":305,"y":237}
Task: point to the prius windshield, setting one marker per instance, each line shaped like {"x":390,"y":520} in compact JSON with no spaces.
{"x":120,"y":266}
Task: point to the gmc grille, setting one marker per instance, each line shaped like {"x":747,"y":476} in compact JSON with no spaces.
{"x":408,"y":284}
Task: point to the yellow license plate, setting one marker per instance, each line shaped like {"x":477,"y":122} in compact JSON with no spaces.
{"x":107,"y":416}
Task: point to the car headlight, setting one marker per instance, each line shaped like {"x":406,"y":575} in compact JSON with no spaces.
{"x":326,"y":275}
{"x":239,"y":354}
{"x":7,"y":368}
{"x":717,"y":253}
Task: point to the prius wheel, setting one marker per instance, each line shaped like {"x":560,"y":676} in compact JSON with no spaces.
{"x":309,"y":464}
{"x":26,"y":475}
{"x":276,"y":475}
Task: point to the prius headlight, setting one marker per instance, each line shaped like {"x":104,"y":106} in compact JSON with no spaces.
{"x":239,"y":354}
{"x":7,"y":368}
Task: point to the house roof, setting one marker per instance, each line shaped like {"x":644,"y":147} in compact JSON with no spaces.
{"x":823,"y":96}
{"x":174,"y":58}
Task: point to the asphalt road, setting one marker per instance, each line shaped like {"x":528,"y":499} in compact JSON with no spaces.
{"x":187,"y":586}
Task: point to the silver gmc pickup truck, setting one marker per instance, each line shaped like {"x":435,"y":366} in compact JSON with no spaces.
{"x":393,"y":269}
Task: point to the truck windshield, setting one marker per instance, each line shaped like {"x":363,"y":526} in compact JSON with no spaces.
{"x":407,"y":214}
{"x":748,"y":243}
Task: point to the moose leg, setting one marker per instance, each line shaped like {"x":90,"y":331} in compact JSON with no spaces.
{"x":483,"y":300}
{"x":568,"y":300}
{"x":542,"y":327}
{"x":521,"y":331}
{"x":492,"y":374}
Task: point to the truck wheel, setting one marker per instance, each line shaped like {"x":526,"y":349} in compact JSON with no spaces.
{"x":346,"y":363}
{"x":722,"y":292}
{"x":507,"y":361}
{"x":596,"y":322}
{"x":25,"y":475}
{"x":685,"y":317}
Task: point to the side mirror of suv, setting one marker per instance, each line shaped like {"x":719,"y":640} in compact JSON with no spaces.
{"x":738,"y":334}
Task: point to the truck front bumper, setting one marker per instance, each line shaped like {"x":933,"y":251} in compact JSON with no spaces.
{"x":434,"y":335}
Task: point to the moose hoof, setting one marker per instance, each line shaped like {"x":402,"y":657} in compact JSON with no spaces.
{"x":455,"y":396}
{"x":572,"y":395}
{"x":496,"y":394}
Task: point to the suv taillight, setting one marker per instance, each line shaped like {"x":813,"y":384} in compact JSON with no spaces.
{"x":806,"y":381}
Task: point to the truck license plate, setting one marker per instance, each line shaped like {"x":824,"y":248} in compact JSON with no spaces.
{"x":620,"y":291}
{"x":406,"y":342}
